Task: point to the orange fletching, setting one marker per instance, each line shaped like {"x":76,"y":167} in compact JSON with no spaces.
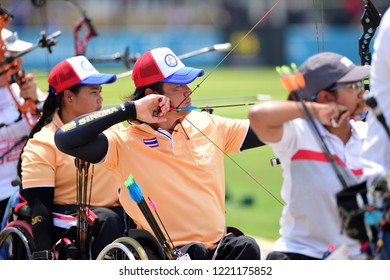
{"x":289,"y":83}
{"x":300,"y":80}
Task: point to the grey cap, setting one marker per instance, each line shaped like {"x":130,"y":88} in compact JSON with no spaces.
{"x":324,"y":69}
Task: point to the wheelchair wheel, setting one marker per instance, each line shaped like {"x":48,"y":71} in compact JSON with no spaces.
{"x":123,"y":248}
{"x":16,"y":242}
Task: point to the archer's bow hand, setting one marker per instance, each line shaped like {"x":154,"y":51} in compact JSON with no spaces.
{"x":152,"y":108}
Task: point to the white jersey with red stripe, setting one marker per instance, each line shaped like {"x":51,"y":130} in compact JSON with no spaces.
{"x":310,"y":220}
{"x":13,"y":128}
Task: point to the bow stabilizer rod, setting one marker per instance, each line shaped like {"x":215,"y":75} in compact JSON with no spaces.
{"x":217,"y":47}
{"x":126,"y":58}
{"x":43,"y":42}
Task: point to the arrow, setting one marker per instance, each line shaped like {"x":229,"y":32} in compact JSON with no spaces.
{"x":190,"y":108}
{"x":136,"y":194}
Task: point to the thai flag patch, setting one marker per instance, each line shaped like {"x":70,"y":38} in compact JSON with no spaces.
{"x":152,"y":143}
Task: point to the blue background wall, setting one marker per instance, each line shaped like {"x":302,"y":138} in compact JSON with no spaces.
{"x":275,"y":47}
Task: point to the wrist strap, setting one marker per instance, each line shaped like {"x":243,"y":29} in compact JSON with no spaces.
{"x":131,"y":110}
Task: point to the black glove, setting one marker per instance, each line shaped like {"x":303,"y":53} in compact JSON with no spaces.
{"x":43,"y":255}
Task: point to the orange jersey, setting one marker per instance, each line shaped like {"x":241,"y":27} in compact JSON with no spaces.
{"x":182,"y":172}
{"x":43,"y":165}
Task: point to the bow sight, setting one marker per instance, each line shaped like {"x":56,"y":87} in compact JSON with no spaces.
{"x":43,"y":42}
{"x":126,"y":58}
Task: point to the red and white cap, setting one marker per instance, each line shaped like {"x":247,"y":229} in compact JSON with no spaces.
{"x":162,"y":65}
{"x":76,"y":70}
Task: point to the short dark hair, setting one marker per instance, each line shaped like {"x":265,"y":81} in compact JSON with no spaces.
{"x":140,"y":91}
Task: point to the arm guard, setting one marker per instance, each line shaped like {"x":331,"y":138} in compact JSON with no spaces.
{"x":40,"y":201}
{"x":83,"y":137}
{"x":251,"y":141}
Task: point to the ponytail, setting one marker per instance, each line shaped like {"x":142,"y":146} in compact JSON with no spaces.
{"x":52,"y":102}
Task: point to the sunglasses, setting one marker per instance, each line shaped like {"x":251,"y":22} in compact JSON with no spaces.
{"x":356,"y":86}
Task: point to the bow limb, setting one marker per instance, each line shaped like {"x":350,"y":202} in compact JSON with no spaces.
{"x":10,"y":67}
{"x":81,"y":43}
{"x":370,"y":21}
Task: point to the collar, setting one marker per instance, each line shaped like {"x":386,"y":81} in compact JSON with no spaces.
{"x":57,"y":120}
{"x":358,"y":128}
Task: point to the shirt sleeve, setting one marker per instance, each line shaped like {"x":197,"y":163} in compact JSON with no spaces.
{"x":233,"y":132}
{"x":38,"y":164}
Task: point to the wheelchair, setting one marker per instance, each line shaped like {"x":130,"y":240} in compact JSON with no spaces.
{"x":17,"y":242}
{"x":137,"y":245}
{"x":142,"y":245}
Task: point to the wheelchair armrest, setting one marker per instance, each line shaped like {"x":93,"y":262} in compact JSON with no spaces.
{"x":23,"y":212}
{"x":234,"y":230}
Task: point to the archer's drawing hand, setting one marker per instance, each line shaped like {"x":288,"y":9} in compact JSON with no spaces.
{"x":332,"y":114}
{"x":152,"y":108}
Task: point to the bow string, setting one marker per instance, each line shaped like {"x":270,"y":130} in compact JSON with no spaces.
{"x":206,"y":77}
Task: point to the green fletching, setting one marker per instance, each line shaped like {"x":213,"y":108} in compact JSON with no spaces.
{"x":279,"y":70}
{"x":286,"y":70}
{"x":294,"y":67}
{"x":129,"y":181}
{"x":134,"y":189}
